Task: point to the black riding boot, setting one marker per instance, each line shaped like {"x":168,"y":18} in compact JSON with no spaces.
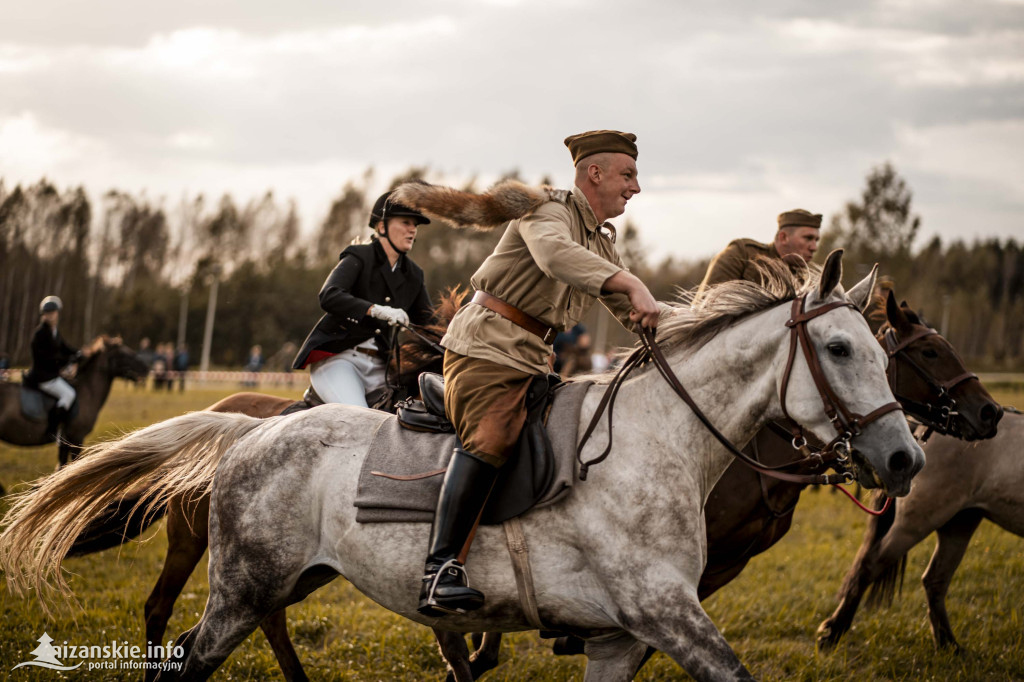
{"x":464,"y":492}
{"x":55,"y":420}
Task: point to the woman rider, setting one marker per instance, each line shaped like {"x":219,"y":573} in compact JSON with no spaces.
{"x":50,"y":354}
{"x":372,"y":286}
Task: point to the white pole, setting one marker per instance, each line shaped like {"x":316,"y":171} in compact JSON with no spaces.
{"x":211,"y":312}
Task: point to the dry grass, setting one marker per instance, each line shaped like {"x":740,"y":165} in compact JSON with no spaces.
{"x":769,"y":614}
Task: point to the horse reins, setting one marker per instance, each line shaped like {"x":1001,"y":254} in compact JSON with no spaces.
{"x":936,"y":417}
{"x":847,"y":424}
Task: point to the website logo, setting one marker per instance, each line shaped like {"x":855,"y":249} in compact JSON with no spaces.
{"x":46,"y":656}
{"x":114,"y":655}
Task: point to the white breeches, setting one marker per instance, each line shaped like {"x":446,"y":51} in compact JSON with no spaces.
{"x":61,"y":390}
{"x":347,"y":377}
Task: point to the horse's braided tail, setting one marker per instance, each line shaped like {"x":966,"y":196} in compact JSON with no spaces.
{"x":175,"y":458}
{"x":883,"y":590}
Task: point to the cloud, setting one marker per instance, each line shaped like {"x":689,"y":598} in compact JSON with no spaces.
{"x":741,"y":110}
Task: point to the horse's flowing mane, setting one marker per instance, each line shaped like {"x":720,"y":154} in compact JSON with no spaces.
{"x":692,"y":321}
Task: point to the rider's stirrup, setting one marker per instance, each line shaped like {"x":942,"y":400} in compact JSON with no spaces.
{"x":451,"y":570}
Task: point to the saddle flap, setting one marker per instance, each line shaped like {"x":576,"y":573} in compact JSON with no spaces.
{"x":432,"y":393}
{"x":36,"y":405}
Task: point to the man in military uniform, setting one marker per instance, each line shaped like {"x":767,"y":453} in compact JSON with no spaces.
{"x":543,"y":276}
{"x":795,"y":242}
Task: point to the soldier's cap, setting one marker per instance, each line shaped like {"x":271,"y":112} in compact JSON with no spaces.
{"x":798,"y":217}
{"x":384,"y":208}
{"x":597,"y":141}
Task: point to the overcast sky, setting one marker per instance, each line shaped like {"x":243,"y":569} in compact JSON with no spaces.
{"x":742,"y":109}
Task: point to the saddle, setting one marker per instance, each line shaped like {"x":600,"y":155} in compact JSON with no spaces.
{"x":530,"y":472}
{"x":37,"y":405}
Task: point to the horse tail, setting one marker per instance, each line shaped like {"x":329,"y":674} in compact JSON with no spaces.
{"x":883,"y":590}
{"x":174,"y":458}
{"x":121,"y":521}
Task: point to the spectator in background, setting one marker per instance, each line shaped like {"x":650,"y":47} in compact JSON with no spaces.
{"x":180,"y":365}
{"x":5,"y":365}
{"x":254,"y":364}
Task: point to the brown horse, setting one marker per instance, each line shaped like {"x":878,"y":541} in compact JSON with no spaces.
{"x":746,"y":513}
{"x":105,"y":359}
{"x":961,"y":486}
{"x":188,"y":517}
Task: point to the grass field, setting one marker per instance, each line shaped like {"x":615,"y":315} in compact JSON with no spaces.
{"x":769,"y":614}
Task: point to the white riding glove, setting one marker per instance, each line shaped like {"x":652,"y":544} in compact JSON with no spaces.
{"x":390,"y":315}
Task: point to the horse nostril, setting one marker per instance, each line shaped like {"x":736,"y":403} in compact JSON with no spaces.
{"x":899,"y":461}
{"x":991,"y":414}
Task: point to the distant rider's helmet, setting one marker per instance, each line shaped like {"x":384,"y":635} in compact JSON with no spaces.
{"x":50,"y":304}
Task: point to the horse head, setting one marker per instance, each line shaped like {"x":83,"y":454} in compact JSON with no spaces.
{"x":929,"y":378}
{"x":108,"y":355}
{"x":843,"y":370}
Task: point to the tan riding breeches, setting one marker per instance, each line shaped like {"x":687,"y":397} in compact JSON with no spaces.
{"x":487,"y":404}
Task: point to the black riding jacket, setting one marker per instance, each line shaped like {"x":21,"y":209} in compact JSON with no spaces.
{"x":363,"y":277}
{"x":50,"y":354}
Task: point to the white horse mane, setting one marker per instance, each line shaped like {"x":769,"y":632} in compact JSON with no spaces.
{"x":693,"y":321}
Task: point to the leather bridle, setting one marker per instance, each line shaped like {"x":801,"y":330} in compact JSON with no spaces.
{"x":847,"y":424}
{"x":937,"y":417}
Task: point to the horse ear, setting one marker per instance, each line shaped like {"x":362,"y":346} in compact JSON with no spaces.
{"x":897,"y":318}
{"x":831,"y":274}
{"x":860,"y":294}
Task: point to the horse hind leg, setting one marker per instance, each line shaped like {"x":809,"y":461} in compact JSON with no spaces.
{"x":953,"y":538}
{"x":225,"y":624}
{"x":184,"y":550}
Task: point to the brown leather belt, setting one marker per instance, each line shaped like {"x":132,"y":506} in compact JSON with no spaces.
{"x":367,"y":351}
{"x":515,"y":316}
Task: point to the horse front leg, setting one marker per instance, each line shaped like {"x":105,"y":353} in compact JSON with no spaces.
{"x":275,"y":627}
{"x":676,"y":624}
{"x":613,"y":658}
{"x":953,"y":539}
{"x":876,"y":559}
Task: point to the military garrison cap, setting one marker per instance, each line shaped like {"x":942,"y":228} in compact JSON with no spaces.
{"x":798,"y":217}
{"x":598,"y":141}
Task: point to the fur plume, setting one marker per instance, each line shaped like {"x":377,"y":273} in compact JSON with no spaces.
{"x":505,"y":201}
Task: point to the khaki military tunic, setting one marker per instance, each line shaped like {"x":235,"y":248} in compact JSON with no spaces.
{"x":736,"y":262}
{"x":551,"y":265}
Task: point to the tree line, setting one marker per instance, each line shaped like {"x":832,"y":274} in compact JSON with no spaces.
{"x":140,"y":267}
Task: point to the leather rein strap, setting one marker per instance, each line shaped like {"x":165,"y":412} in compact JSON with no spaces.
{"x":846,"y":423}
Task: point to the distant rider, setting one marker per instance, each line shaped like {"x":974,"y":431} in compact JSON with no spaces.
{"x":50,"y":354}
{"x":373,"y":285}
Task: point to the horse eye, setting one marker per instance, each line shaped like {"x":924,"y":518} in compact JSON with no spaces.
{"x":839,"y":350}
{"x":929,"y":353}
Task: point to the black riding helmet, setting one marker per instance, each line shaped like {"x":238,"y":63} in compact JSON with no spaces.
{"x":384,"y":208}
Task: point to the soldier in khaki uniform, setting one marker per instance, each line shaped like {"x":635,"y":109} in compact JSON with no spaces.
{"x":795,"y":242}
{"x":545,"y":273}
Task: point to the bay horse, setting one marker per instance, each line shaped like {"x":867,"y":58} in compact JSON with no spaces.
{"x":188,"y":513}
{"x":747,"y":513}
{"x":963,"y":485}
{"x":105,"y":359}
{"x":632,"y":535}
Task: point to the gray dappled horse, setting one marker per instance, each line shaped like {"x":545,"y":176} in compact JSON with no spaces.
{"x":106,"y":359}
{"x":963,"y":484}
{"x":632,"y":535}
